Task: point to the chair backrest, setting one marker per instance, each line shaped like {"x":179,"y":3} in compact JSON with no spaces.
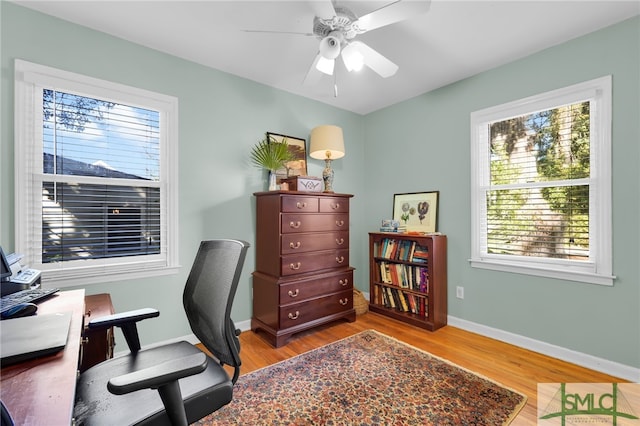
{"x":209,"y":293}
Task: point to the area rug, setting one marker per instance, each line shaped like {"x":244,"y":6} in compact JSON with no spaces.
{"x":367,"y":379}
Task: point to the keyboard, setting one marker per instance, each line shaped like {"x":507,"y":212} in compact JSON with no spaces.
{"x":30,"y":295}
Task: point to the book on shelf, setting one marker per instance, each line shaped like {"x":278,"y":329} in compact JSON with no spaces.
{"x":420,"y":255}
{"x":395,"y":298}
{"x":404,"y":276}
{"x":390,"y":297}
{"x":399,"y":230}
{"x":402,"y":250}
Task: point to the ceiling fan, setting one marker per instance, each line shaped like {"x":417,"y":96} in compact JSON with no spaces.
{"x":336,"y":27}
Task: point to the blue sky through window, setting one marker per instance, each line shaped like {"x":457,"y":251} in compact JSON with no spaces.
{"x":108,"y":136}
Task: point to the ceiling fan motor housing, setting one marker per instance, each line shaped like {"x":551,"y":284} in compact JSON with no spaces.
{"x":343,"y":22}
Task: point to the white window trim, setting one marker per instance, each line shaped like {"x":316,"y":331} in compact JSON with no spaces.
{"x":600,"y":223}
{"x":30,"y":78}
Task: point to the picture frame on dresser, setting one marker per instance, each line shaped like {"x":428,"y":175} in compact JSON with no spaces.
{"x":418,"y":211}
{"x":298,"y":147}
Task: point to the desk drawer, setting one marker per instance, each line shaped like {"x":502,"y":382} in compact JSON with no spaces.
{"x":97,"y":345}
{"x":291,"y":222}
{"x":314,"y":261}
{"x":301,"y":313}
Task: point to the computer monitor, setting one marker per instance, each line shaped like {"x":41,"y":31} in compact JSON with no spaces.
{"x":5,"y":268}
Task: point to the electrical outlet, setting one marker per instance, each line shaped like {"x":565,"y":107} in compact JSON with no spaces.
{"x":460,"y":292}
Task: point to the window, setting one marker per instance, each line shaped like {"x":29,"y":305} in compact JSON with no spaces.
{"x":541,"y":184}
{"x":96,"y":170}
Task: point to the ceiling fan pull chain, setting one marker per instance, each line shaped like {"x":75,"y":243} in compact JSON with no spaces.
{"x":335,"y":85}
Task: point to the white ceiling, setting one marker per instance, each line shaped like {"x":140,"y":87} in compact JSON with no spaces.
{"x":452,"y":41}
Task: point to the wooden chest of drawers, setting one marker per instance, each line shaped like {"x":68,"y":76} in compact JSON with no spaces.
{"x":302,"y":278}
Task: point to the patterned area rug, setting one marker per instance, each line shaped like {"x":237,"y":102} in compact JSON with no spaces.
{"x":367,"y":379}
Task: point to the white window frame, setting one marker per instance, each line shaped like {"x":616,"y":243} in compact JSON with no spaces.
{"x":598,"y":270}
{"x":30,"y":80}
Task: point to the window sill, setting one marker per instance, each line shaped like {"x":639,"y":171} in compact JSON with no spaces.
{"x":564,"y":274}
{"x":76,"y":278}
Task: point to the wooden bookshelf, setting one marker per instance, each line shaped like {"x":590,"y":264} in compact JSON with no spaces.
{"x":408,"y":278}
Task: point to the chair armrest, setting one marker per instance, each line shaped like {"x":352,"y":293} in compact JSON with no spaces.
{"x":127,"y":322}
{"x":119,"y":319}
{"x":158,"y":375}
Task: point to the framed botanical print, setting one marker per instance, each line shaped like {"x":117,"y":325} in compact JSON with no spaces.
{"x":418,"y":211}
{"x":297,"y":166}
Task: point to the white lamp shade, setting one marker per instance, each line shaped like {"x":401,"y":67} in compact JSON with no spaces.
{"x":327,"y":141}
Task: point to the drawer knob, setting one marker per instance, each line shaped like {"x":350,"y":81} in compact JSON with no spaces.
{"x":344,"y":282}
{"x":295,"y":266}
{"x":301,"y":205}
{"x":343,"y":302}
{"x":340,"y":259}
{"x":335,"y":206}
{"x":295,"y":245}
{"x":339,"y":241}
{"x":294,"y":293}
{"x":339,"y":222}
{"x":297,"y":314}
{"x":295,"y":224}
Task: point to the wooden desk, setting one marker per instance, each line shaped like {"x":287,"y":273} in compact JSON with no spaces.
{"x":42,"y":391}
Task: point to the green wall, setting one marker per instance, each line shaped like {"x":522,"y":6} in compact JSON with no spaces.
{"x":430,"y":139}
{"x":418,"y":145}
{"x":221,"y":117}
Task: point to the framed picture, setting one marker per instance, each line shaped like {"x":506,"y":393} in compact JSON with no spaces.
{"x":298,"y":147}
{"x":418,"y":211}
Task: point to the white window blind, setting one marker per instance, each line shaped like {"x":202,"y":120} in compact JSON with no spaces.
{"x":541,"y":184}
{"x":92,"y":138}
{"x":96,"y":177}
{"x":538,"y":195}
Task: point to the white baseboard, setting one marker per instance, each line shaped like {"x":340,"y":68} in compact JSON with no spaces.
{"x":589,"y":361}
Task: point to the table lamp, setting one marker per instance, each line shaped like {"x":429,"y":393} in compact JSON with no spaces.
{"x":327,"y":143}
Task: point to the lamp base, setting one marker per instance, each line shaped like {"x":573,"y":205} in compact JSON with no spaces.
{"x":327,"y":176}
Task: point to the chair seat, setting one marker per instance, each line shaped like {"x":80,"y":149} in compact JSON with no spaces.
{"x":202,"y":393}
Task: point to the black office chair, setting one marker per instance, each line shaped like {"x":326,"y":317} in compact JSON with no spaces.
{"x":172,"y":384}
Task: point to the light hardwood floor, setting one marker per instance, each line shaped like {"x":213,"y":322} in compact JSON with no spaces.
{"x":509,"y":365}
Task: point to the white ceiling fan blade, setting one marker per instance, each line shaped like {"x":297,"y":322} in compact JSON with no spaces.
{"x":392,"y":13}
{"x":373,"y":59}
{"x":279,"y":32}
{"x":323,"y":8}
{"x":314,"y":74}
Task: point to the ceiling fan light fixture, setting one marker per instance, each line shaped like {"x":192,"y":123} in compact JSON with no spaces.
{"x":353,"y":60}
{"x":325,"y":65}
{"x":330,"y":47}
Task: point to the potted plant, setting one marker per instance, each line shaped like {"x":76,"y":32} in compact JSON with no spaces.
{"x":271,"y":155}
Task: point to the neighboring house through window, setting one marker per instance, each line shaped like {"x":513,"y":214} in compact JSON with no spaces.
{"x":96,"y":176}
{"x":541,"y":184}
